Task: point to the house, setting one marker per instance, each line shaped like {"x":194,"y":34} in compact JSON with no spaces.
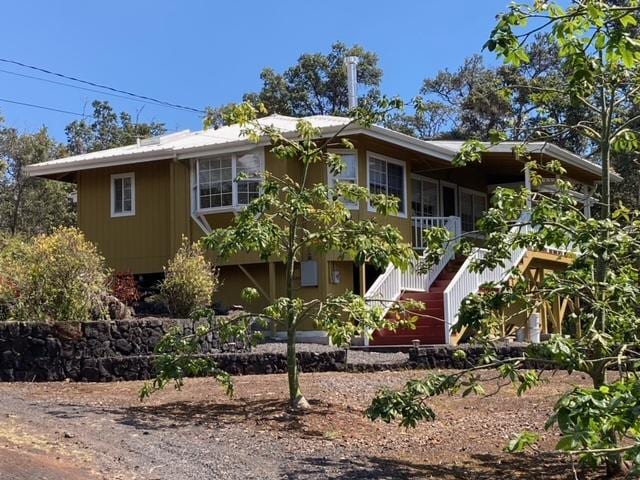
{"x":136,"y":202}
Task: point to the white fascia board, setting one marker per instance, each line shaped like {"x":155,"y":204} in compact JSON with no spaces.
{"x":207,"y":150}
{"x":409,"y":142}
{"x":576,"y":160}
{"x":36,"y":170}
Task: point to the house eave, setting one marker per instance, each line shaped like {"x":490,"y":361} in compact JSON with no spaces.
{"x":430,"y":148}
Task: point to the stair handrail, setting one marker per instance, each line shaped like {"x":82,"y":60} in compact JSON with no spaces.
{"x":386,"y":289}
{"x":392,"y":282}
{"x":466,"y":281}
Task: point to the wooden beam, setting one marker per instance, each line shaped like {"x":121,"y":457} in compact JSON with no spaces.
{"x":255,"y":283}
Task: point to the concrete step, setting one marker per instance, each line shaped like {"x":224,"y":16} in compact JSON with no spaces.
{"x":435,"y":338}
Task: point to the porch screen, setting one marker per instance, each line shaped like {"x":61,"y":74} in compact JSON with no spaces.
{"x":424,"y":197}
{"x":472,"y":207}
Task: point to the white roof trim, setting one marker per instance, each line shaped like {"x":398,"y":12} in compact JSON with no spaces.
{"x":182,"y":145}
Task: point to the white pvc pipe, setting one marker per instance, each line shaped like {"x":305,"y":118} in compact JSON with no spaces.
{"x":534,"y":328}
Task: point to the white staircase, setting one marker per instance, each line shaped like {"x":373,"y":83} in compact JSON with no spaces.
{"x":392,"y":282}
{"x":389,"y":286}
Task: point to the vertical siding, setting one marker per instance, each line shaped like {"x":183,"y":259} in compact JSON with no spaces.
{"x":139,"y":243}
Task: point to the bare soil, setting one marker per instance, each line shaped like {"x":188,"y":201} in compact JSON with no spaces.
{"x":101,"y":431}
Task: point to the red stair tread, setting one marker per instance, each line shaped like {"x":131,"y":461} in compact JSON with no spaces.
{"x":428,"y":330}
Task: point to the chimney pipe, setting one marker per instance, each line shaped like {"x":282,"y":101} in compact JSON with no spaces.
{"x":352,"y":80}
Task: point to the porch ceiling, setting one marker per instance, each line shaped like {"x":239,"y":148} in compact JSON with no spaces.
{"x":499,"y":168}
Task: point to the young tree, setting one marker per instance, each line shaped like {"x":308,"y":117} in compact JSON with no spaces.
{"x":293,"y":216}
{"x":601,"y":57}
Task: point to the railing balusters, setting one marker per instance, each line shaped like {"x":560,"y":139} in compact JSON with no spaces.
{"x":390,"y":285}
{"x":466,"y":282}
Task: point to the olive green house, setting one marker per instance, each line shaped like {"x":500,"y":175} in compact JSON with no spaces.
{"x":137,"y":202}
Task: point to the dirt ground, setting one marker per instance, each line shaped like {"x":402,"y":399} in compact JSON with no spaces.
{"x":101,"y":431}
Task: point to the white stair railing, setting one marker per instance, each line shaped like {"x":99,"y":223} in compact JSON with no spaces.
{"x":414,"y":281}
{"x":420,"y":224}
{"x":386,"y":289}
{"x":392,"y":282}
{"x":465,"y":282}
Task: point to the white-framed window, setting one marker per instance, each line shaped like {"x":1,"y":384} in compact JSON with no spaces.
{"x":348,"y":175}
{"x":217,"y":184}
{"x":123,"y":194}
{"x":425,"y":201}
{"x":473,"y":204}
{"x":388,"y":175}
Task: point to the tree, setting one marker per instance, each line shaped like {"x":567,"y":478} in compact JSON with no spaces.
{"x":477,"y":99}
{"x":31,"y":205}
{"x":601,"y":61}
{"x":317,"y":83}
{"x":293,"y":216}
{"x":107,"y":130}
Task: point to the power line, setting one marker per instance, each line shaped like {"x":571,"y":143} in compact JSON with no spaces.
{"x":93,"y":84}
{"x":52,"y":109}
{"x":24,"y":75}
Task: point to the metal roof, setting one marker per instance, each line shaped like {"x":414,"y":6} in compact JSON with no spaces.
{"x":187,"y":144}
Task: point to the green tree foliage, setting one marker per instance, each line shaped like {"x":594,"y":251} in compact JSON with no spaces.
{"x":31,"y":205}
{"x":189,"y":281}
{"x":56,"y":277}
{"x":315,"y":85}
{"x":294,"y":217}
{"x":107,"y":129}
{"x":178,"y":357}
{"x":476,"y":99}
{"x":601,"y":423}
{"x":593,"y":421}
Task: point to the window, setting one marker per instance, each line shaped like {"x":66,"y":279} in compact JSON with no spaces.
{"x":218,"y":184}
{"x":472,"y":206}
{"x":424,"y":197}
{"x":387,"y":176}
{"x":123,"y":195}
{"x":250,"y":165}
{"x":349,"y":174}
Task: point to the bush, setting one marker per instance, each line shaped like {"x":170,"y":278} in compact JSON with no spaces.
{"x":125,"y":288}
{"x":57,"y":277}
{"x":13,"y":254}
{"x":189,"y":281}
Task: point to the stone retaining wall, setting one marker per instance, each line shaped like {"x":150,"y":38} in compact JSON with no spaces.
{"x":443,"y":356}
{"x":122,"y":350}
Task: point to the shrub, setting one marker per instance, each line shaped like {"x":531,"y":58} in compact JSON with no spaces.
{"x":125,"y":288}
{"x":13,"y":254}
{"x":189,"y":281}
{"x":57,"y":277}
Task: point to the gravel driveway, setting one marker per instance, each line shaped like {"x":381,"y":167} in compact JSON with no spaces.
{"x":83,"y":431}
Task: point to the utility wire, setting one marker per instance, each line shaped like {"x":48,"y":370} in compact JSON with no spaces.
{"x":106,"y":87}
{"x":55,"y":82}
{"x":52,"y":109}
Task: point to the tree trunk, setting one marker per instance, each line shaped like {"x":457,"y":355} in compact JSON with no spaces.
{"x":296,"y":399}
{"x":13,"y":227}
{"x":605,"y":213}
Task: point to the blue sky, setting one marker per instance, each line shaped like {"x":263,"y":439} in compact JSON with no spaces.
{"x":201,"y":53}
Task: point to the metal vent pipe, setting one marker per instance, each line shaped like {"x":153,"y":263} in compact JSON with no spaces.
{"x":352,"y":80}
